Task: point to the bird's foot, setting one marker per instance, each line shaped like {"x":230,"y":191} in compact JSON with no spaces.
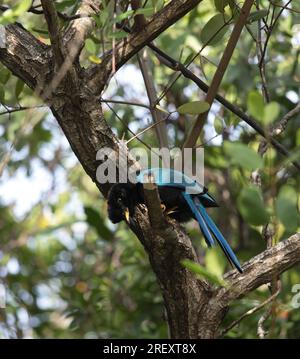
{"x":172,"y":210}
{"x":163,"y":207}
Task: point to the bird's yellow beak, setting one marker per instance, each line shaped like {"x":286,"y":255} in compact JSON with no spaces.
{"x":126,"y":214}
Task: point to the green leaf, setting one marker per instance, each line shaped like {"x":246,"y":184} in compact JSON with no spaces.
{"x":161,"y":109}
{"x":218,"y":125}
{"x":243,"y":156}
{"x":286,"y":208}
{"x":19,"y":88}
{"x":193,"y":108}
{"x":202,"y":272}
{"x":118,"y":35}
{"x":4,"y":75}
{"x":146,"y":11}
{"x":124,"y":15}
{"x":189,"y":58}
{"x":271,"y":112}
{"x":96,"y":221}
{"x":255,"y":105}
{"x":252,"y":207}
{"x":94,"y":59}
{"x":61,"y":6}
{"x":157,"y":4}
{"x":214,"y":30}
{"x":23,"y":6}
{"x":2,"y":95}
{"x":215,"y":261}
{"x":257,"y":15}
{"x":90,"y":46}
{"x":220,"y":5}
{"x":16,"y":11}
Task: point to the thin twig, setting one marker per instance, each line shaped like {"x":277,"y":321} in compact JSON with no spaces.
{"x":148,"y":128}
{"x":261,"y":65}
{"x":21,"y":108}
{"x":297,"y":11}
{"x":145,"y":67}
{"x":44,"y":92}
{"x":172,"y":82}
{"x":280,"y":126}
{"x":134,"y":134}
{"x":250,"y":312}
{"x":161,"y":129}
{"x":178,"y":66}
{"x":61,"y":15}
{"x":126,"y":103}
{"x":273,"y":23}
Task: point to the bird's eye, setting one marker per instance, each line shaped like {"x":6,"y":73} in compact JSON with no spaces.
{"x":119,"y":200}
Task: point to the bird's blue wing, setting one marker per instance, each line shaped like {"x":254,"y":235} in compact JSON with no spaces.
{"x":171,"y":178}
{"x":202,"y":224}
{"x":219,"y":237}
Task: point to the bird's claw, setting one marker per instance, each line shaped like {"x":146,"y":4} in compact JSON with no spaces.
{"x":163,"y":207}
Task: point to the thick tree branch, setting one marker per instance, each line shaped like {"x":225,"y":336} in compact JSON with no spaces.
{"x":262,"y":269}
{"x":25,"y":56}
{"x":77,"y":111}
{"x":127,"y":48}
{"x":80,"y":28}
{"x":53,"y":27}
{"x":153,"y":204}
{"x":194,"y":308}
{"x":184,"y":294}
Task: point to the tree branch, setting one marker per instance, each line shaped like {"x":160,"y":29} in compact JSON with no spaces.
{"x":218,"y":76}
{"x":178,"y":66}
{"x":53,"y":27}
{"x":262,"y":269}
{"x":250,"y":312}
{"x":195,"y":309}
{"x":153,"y":204}
{"x":130,"y":46}
{"x":280,"y":126}
{"x":79,"y":29}
{"x":157,"y":116}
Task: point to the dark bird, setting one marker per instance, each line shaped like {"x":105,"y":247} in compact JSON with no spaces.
{"x":182,"y":199}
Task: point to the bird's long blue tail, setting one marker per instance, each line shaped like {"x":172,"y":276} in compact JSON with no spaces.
{"x":202,"y":223}
{"x":200,"y":213}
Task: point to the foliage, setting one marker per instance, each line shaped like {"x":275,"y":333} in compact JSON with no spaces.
{"x":71,"y":273}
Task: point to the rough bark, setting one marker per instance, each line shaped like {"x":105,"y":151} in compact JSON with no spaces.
{"x":195,"y":308}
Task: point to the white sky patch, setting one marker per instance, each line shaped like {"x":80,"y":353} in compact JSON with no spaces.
{"x":292,"y":96}
{"x":13,"y":266}
{"x":22,"y":190}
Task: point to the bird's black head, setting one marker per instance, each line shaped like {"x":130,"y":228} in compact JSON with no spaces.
{"x":122,"y":198}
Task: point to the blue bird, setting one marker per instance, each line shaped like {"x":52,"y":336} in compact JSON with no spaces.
{"x":182,"y":198}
